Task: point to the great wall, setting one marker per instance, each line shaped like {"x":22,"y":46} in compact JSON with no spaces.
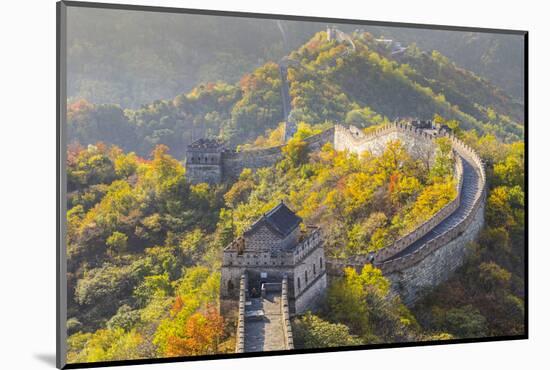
{"x":414,"y":264}
{"x":428,"y":255}
{"x":417,"y":262}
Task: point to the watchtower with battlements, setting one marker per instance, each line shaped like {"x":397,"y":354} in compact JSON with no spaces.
{"x":276,"y":246}
{"x":204,"y":161}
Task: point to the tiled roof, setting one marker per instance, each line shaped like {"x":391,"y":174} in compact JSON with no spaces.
{"x":280,"y":219}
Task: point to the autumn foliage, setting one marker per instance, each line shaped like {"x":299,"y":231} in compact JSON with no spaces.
{"x":201,"y":335}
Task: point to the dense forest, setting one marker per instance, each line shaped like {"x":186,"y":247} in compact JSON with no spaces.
{"x":144,"y":245}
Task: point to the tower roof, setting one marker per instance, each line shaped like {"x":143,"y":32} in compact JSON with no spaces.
{"x":280,"y":219}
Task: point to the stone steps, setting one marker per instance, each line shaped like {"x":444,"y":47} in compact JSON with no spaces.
{"x":265,"y":334}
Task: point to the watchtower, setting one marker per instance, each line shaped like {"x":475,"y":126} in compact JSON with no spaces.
{"x":277,"y":245}
{"x":331,"y":33}
{"x":204,"y":161}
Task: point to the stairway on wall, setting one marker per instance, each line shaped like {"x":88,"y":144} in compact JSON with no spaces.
{"x":265,"y":333}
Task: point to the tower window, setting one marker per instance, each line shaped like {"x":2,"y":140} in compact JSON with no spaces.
{"x":314,"y":271}
{"x":298,"y":282}
{"x":306,"y":276}
{"x":321,"y":263}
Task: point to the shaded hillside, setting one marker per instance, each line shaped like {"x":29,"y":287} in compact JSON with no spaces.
{"x":328,"y":83}
{"x":411,"y":83}
{"x":495,"y":57}
{"x":132,"y":57}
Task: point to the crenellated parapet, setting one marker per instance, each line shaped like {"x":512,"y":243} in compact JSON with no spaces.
{"x":313,"y":240}
{"x":235,"y":255}
{"x":285,"y":312}
{"x":239,"y":340}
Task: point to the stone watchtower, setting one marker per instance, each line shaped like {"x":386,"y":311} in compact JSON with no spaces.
{"x":204,"y":161}
{"x":275,"y":246}
{"x":331,"y":33}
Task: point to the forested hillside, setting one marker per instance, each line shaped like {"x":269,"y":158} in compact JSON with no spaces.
{"x":328,"y":83}
{"x":142,"y":257}
{"x":144,"y":245}
{"x":495,"y":57}
{"x":132,"y":58}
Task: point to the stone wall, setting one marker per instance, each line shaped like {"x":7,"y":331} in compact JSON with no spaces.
{"x":316,"y":142}
{"x":239,"y":340}
{"x":441,"y":240}
{"x":306,"y":258}
{"x":285,"y":312}
{"x":209,"y":173}
{"x":418,"y":143}
{"x":411,"y":283}
{"x":265,"y":239}
{"x":248,"y":259}
{"x":233,"y":163}
{"x":310,"y":262}
{"x":309,"y":298}
{"x":261,"y":239}
{"x":231,"y":274}
{"x":403,"y":242}
{"x":432,"y":263}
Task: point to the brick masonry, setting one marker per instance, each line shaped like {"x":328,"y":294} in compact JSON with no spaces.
{"x":413,"y":282}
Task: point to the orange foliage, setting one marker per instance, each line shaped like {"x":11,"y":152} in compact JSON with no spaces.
{"x":394,"y":179}
{"x":73,"y":151}
{"x":80,"y":106}
{"x":177,"y":306}
{"x":202,"y":334}
{"x":313,"y":45}
{"x":248,"y":83}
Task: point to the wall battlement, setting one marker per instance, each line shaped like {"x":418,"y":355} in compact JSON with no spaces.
{"x":285,"y":311}
{"x":239,"y":340}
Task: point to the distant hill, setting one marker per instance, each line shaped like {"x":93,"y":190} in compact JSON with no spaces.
{"x":395,"y":81}
{"x":132,"y":58}
{"x":330,"y":81}
{"x":499,"y":58}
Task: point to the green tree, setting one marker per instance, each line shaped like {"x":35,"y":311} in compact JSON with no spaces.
{"x":310,"y":331}
{"x":117,"y":242}
{"x":295,"y":151}
{"x":152,"y":285}
{"x":444,"y":161}
{"x":465,"y":322}
{"x":493,"y":277}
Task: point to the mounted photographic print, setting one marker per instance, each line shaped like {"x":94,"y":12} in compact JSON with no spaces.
{"x":236,"y":184}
